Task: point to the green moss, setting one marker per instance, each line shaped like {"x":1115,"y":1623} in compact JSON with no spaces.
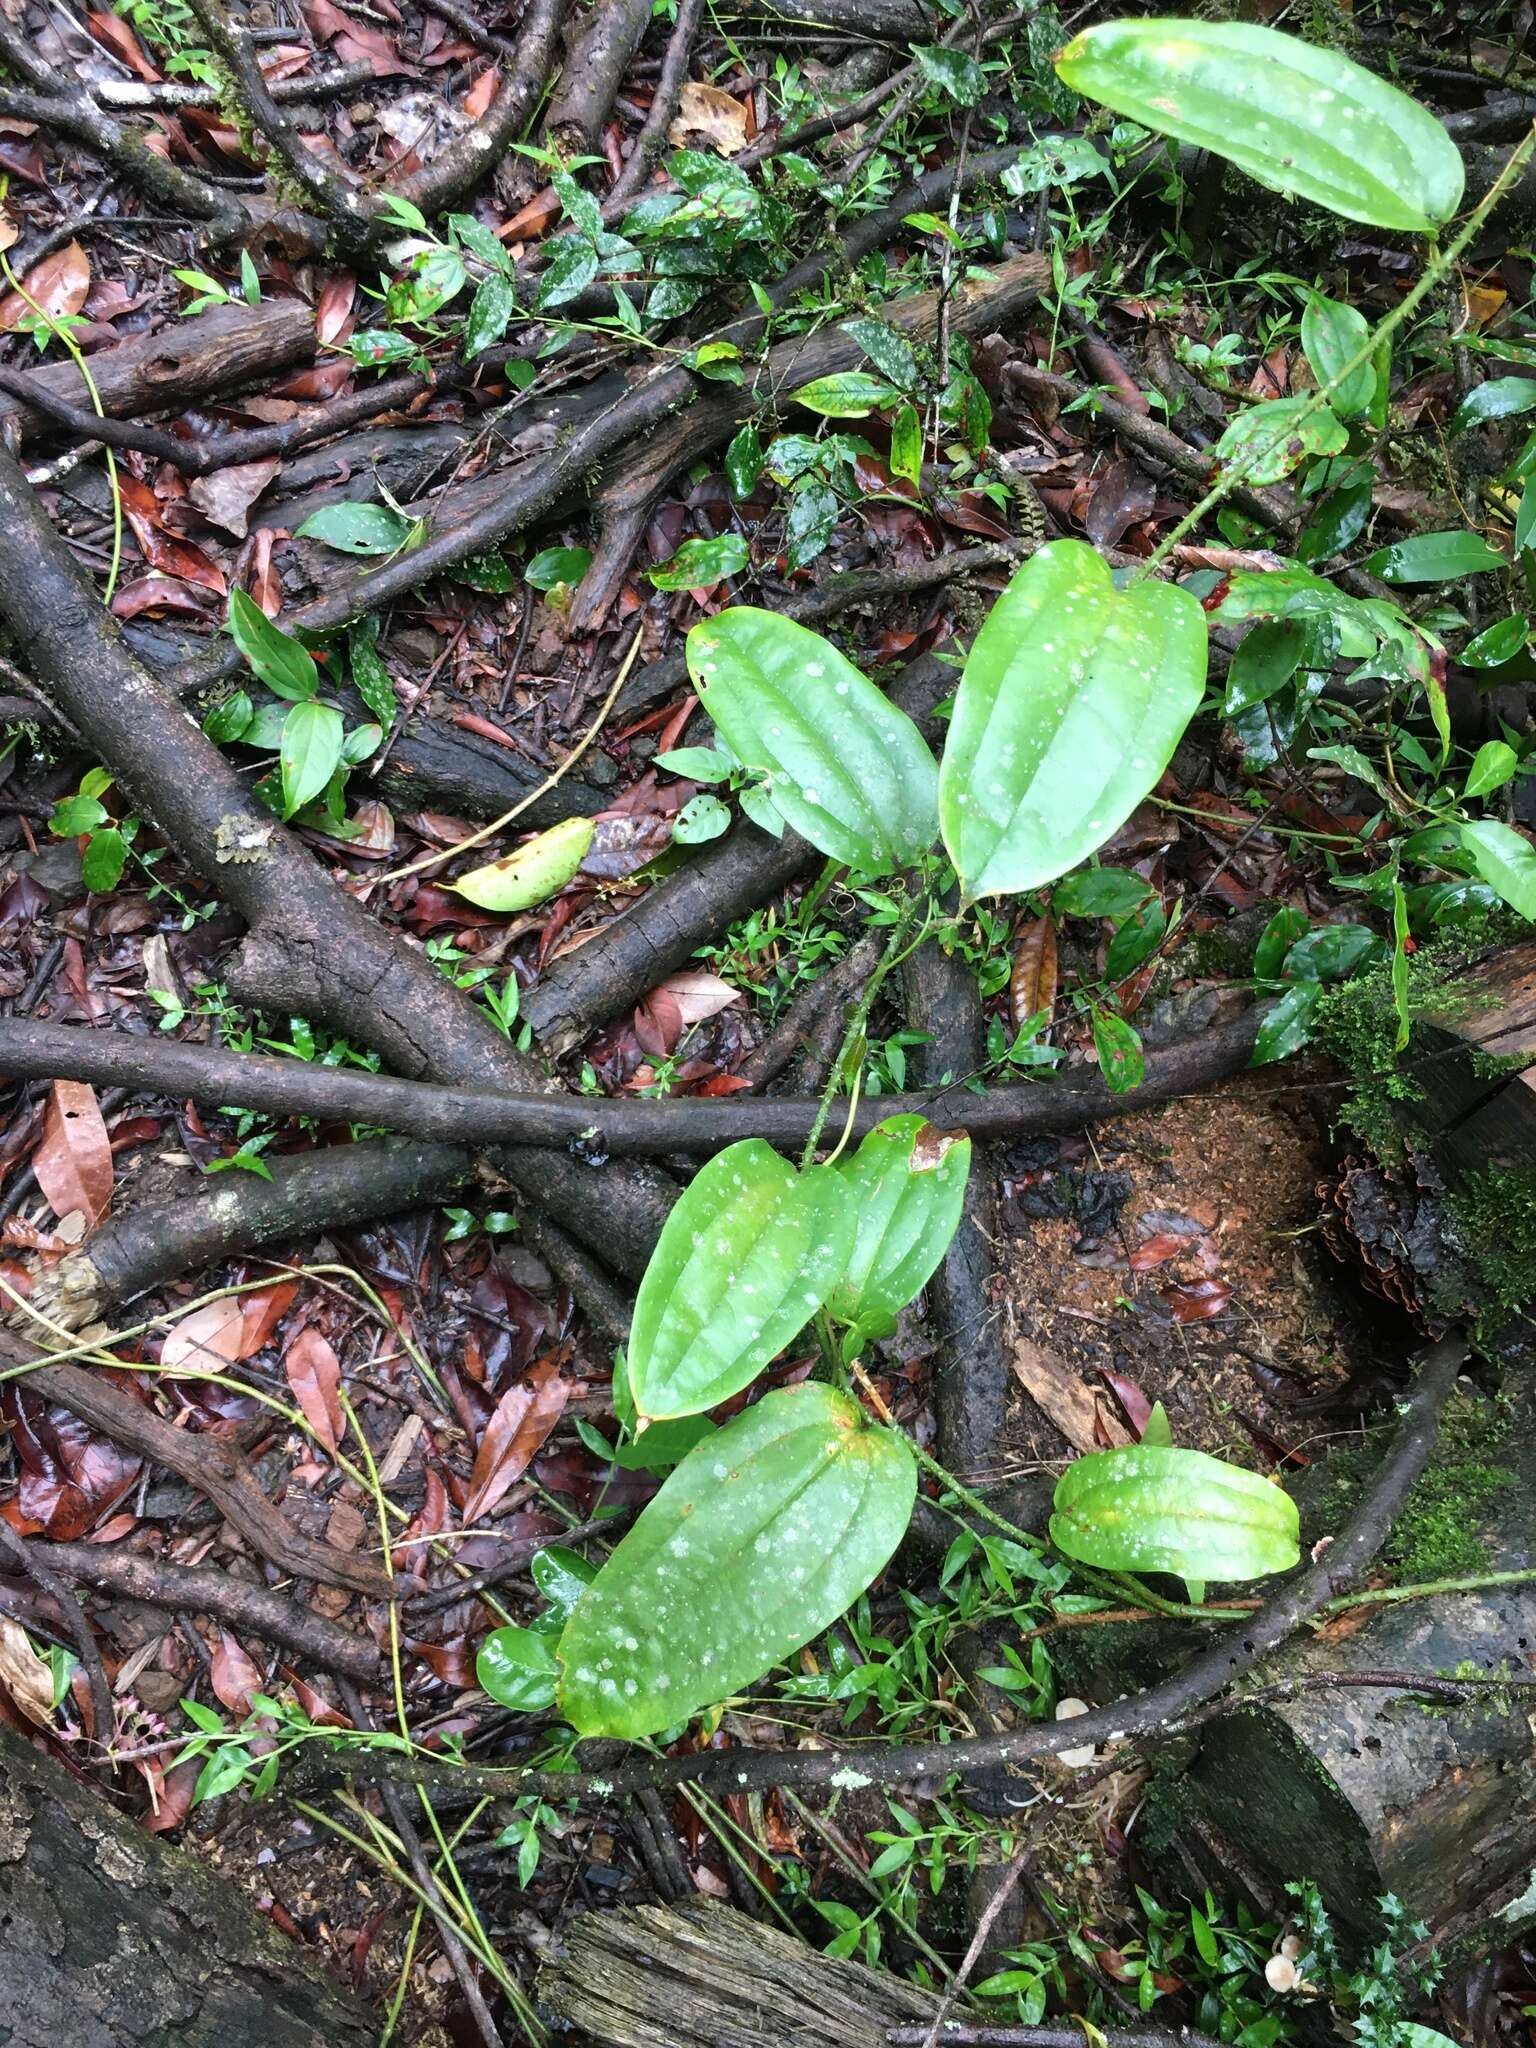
{"x":1438,"y":1533}
{"x":1493,"y":1214}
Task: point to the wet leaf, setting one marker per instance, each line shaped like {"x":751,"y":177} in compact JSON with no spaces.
{"x":1286,"y":1027}
{"x":1297,"y":117}
{"x":760,"y":1539}
{"x":519,"y":1424}
{"x":845,"y":395}
{"x":24,"y":1676}
{"x":314,"y":1373}
{"x":225,"y":498}
{"x":1434,"y":558}
{"x":531,"y":873}
{"x":1332,"y":334}
{"x":1198,"y":1302}
{"x":1145,"y":1508}
{"x":73,"y":1162}
{"x":1072,"y":701}
{"x":358,"y":529}
{"x":1269,"y":441}
{"x":748,"y":1254}
{"x":1118,"y":1044}
{"x":907,"y":1196}
{"x":206,"y":1339}
{"x":1505,"y":860}
{"x":700,"y":564}
{"x":1032,"y":984}
{"x":235,"y":1678}
{"x":517,"y":1667}
{"x":283,"y":664}
{"x":309,"y":752}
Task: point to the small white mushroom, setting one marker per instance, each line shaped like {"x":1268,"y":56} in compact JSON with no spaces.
{"x":1074,"y":1759}
{"x":1281,"y":1974}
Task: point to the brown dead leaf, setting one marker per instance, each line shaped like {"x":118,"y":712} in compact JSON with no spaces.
{"x":164,"y":551}
{"x":698,"y":995}
{"x":225,"y":498}
{"x":1032,"y":985}
{"x":73,"y":1163}
{"x":1157,"y":1251}
{"x":1062,"y":1397}
{"x":59,"y":285}
{"x":1197,"y":1302}
{"x":523,"y":1418}
{"x":482,"y":92}
{"x":114,"y":34}
{"x":207,"y":1339}
{"x":334,"y":308}
{"x":706,"y":114}
{"x":931,"y":1146}
{"x":24,"y":1675}
{"x":233,"y":1676}
{"x":314,"y":1373}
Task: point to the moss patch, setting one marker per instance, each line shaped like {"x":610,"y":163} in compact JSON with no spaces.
{"x":1494,"y":1216}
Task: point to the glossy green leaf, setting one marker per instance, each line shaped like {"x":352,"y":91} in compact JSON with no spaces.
{"x":1270,"y":440}
{"x":888,"y":349}
{"x":1297,"y":117}
{"x":531,"y":873}
{"x":1266,"y":659}
{"x":700,"y":564}
{"x":907,"y":445}
{"x":1434,"y":558}
{"x":1505,"y":860}
{"x":849,"y":771}
{"x":1525,"y":518}
{"x":1499,"y":398}
{"x":1333,"y":334}
{"x":1336,"y":520}
{"x":758,"y":1541}
{"x":489,"y":311}
{"x":1072,"y":701}
{"x":1118,"y":1044}
{"x":744,"y":461}
{"x":227,"y":722}
{"x":309,"y":753}
{"x":1497,"y":643}
{"x":701,"y":818}
{"x":952,"y":71}
{"x":562,"y":1575}
{"x":286,"y":667}
{"x":517,"y":1667}
{"x":1286,"y":1027}
{"x":77,"y":814}
{"x":846,"y":395}
{"x":370,"y":678}
{"x":557,"y":565}
{"x":1100,"y":892}
{"x":906,"y":1185}
{"x":358,"y":529}
{"x":1275,"y":941}
{"x":1330,"y":952}
{"x":102,"y":863}
{"x":748,"y":1254}
{"x":1147,"y":1509}
{"x":1492,"y":766}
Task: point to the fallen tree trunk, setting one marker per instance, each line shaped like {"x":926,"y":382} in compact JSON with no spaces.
{"x":109,"y":1934}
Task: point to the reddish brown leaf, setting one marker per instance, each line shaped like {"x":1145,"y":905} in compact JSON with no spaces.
{"x":232,"y":1675}
{"x":931,"y":1146}
{"x":1157,"y":1251}
{"x":170,"y":1792}
{"x":697,"y":994}
{"x":261,"y":1313}
{"x":482,"y":92}
{"x":314,"y":1373}
{"x":58,"y":285}
{"x":163,"y":551}
{"x":1138,"y":1409}
{"x":1197,"y":1302}
{"x":534,"y":219}
{"x":658,"y":1023}
{"x":1032,"y":985}
{"x":155,"y":592}
{"x":523,"y":1418}
{"x":225,"y":498}
{"x":73,"y":1163}
{"x":334,"y":308}
{"x":207,"y":1339}
{"x":114,"y":34}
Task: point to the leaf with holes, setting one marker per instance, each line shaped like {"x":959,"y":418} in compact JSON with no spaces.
{"x":1074,"y":696}
{"x":744,"y":1261}
{"x":1297,"y":117}
{"x":1146,"y":1509}
{"x":1268,"y":441}
{"x":906,"y":1186}
{"x":849,"y":771}
{"x":759,"y":1540}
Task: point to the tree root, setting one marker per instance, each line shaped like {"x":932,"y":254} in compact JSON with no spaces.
{"x":599,"y":45}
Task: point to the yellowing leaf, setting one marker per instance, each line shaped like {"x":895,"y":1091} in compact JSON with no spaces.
{"x":531,"y":874}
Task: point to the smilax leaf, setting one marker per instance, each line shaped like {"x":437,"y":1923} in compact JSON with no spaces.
{"x":533,"y":872}
{"x":1299,"y":118}
{"x":849,"y":771}
{"x":744,"y":1261}
{"x":906,"y":1186}
{"x":758,"y":1541}
{"x":1073,"y":699}
{"x":1146,"y":1509}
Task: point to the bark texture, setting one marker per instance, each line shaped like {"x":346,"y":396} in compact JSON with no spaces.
{"x":110,"y":1938}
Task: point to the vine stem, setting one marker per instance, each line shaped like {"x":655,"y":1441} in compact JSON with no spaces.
{"x":857,"y":1019}
{"x":1440,"y":263}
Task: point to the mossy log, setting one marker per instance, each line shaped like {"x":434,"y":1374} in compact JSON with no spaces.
{"x":1475,"y":1065}
{"x":112,"y":1938}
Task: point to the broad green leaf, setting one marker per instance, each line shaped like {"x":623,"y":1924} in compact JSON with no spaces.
{"x":77,"y":814}
{"x":1270,"y":440}
{"x":1275,"y":941}
{"x":1118,"y":1044}
{"x":1336,"y":520}
{"x":1136,"y":940}
{"x":758,"y":1541}
{"x":665,"y":1444}
{"x":889,"y":351}
{"x":370,"y":678}
{"x":907,"y":445}
{"x":746,"y":1257}
{"x":846,"y":395}
{"x":1266,"y":659}
{"x":906,"y":1185}
{"x":517,"y":1667}
{"x":1332,"y":334}
{"x":744,"y":461}
{"x":1100,"y":892}
{"x":849,"y":771}
{"x":358,"y":529}
{"x":1497,"y":644}
{"x":1525,"y":518}
{"x":1492,"y":766}
{"x":489,"y":311}
{"x":562,"y":1575}
{"x":490,"y":571}
{"x":1330,"y":952}
{"x":1144,"y":1508}
{"x":812,"y":521}
{"x":700,"y":564}
{"x":699,"y":764}
{"x":102,"y":863}
{"x":1073,"y":699}
{"x":557,"y":565}
{"x":1500,"y":398}
{"x":1297,"y":117}
{"x":1286,"y":1027}
{"x":532,"y":872}
{"x":286,"y":667}
{"x":309,"y":753}
{"x":1434,"y":558}
{"x":952,"y":71}
{"x":227,"y":722}
{"x":1505,"y":860}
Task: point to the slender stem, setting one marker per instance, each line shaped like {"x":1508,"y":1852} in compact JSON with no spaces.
{"x":858,"y":1017}
{"x":1440,"y":262}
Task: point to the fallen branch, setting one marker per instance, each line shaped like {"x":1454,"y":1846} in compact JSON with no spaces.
{"x":599,"y":45}
{"x":620,"y":1127}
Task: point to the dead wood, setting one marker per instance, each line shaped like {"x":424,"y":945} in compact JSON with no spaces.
{"x":599,"y":44}
{"x":123,"y":1941}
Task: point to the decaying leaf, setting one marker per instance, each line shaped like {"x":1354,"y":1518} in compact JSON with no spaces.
{"x":706,"y":114}
{"x":73,"y":1163}
{"x":1058,"y":1392}
{"x":523,"y":1418}
{"x":58,"y":285}
{"x":1032,"y":985}
{"x":314,"y":1373}
{"x":23,"y":1674}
